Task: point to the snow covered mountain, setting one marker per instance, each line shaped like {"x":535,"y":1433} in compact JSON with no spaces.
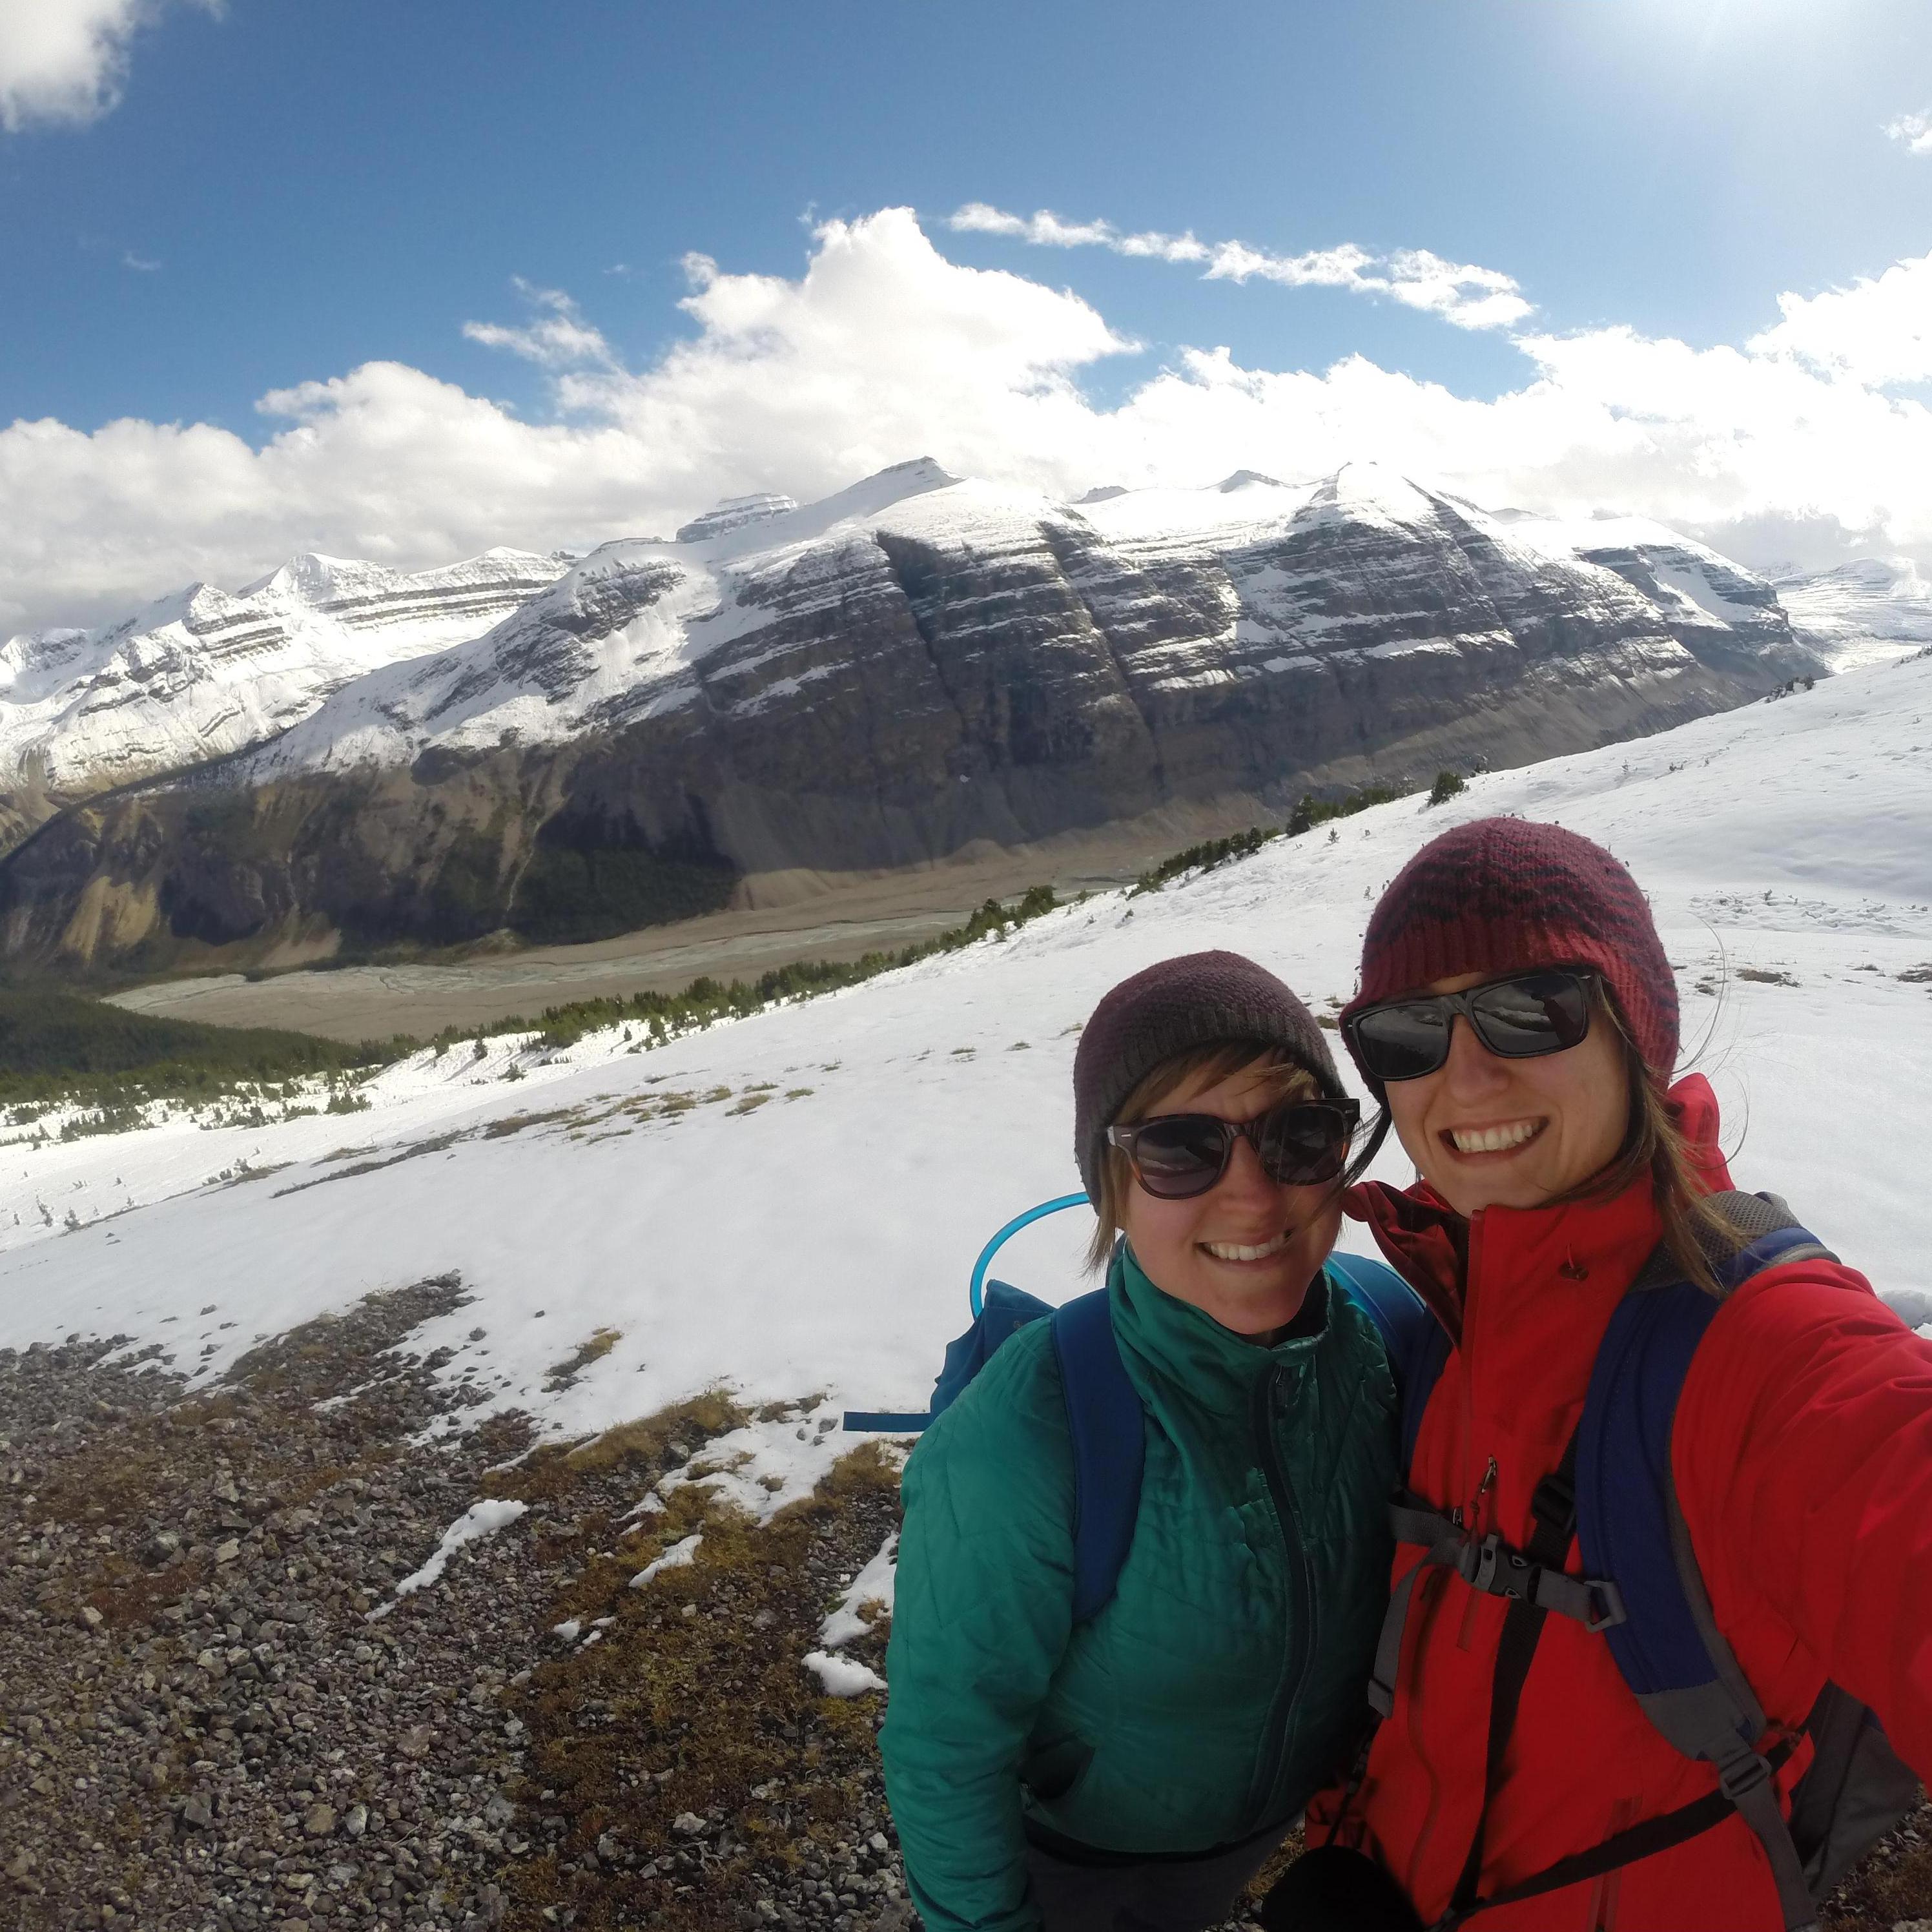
{"x":206,"y":672}
{"x":1251,"y":588}
{"x":683,"y":1195}
{"x":914,"y":666}
{"x":1869,"y":612}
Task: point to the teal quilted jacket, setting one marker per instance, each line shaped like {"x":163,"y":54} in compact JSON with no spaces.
{"x":1223,"y":1683}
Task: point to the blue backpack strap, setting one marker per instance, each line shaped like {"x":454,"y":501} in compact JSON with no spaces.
{"x":998,"y":1308}
{"x":1630,"y":1530}
{"x":1416,"y":1343}
{"x":1108,"y":1430}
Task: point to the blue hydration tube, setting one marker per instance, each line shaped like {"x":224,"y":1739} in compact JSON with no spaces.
{"x":976,"y":1292}
{"x":895,"y":1422}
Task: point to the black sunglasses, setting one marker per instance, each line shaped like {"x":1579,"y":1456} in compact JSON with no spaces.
{"x":1175,"y":1156}
{"x":1547,"y":1011}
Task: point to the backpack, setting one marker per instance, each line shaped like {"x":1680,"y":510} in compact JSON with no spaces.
{"x":1614,"y":1492}
{"x":1105,"y":1420}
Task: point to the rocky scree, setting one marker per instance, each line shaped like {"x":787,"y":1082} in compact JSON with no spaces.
{"x":202,"y":1726}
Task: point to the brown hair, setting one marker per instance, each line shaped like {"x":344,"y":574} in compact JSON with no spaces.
{"x":1695,"y":1228}
{"x":1283,"y":1079}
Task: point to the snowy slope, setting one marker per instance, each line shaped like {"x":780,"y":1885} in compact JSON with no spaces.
{"x":818,"y":1240}
{"x":1869,"y":612}
{"x":206,"y":671}
{"x":1696,"y":588}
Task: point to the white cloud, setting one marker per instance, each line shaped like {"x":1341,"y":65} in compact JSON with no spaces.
{"x":880,"y":348}
{"x":559,"y":338}
{"x":67,"y":60}
{"x":1912,"y":132}
{"x":1468,"y":296}
{"x":1875,"y":332}
{"x":1790,"y":444}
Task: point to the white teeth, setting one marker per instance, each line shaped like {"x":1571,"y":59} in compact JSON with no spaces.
{"x":1232,"y":1251}
{"x":1493,"y":1140}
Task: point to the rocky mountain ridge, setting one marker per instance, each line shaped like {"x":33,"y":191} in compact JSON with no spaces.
{"x":205,"y":672}
{"x":916,"y":668}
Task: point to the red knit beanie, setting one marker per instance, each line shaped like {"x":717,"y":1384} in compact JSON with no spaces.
{"x":1499,"y":894}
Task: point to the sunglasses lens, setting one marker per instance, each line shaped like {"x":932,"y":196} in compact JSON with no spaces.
{"x":1540,"y":1013}
{"x":1405,"y":1041}
{"x":1182,"y":1155}
{"x":1302,"y":1144}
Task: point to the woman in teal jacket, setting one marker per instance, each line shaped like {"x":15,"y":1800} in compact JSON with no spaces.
{"x":1131,"y":1773}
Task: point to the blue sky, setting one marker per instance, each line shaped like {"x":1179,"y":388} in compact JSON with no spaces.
{"x":229,"y":202}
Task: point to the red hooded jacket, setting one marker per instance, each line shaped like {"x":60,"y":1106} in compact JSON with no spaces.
{"x":1802,"y":1454}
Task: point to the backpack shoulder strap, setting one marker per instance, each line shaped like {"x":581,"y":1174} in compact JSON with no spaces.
{"x":1416,"y":1344}
{"x":1630,"y":1528}
{"x":1108,"y":1429}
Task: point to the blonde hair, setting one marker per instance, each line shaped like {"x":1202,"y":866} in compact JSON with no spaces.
{"x":1280,"y":1078}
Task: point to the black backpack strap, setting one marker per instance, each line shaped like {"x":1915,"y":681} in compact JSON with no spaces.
{"x":1640,"y":1840}
{"x":1496,"y":1568}
{"x":1553,"y":1513}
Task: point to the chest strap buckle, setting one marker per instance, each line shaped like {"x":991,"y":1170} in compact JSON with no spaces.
{"x":1499,"y":1569}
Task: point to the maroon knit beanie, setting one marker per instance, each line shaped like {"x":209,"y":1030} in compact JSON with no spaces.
{"x":1501,"y":894}
{"x":1194,"y":1000}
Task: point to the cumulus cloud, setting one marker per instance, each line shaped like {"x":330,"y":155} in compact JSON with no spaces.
{"x":67,"y":60}
{"x":1797,"y":443}
{"x":1458,"y":292}
{"x":879,"y":350}
{"x":1875,"y":332}
{"x":1912,"y":132}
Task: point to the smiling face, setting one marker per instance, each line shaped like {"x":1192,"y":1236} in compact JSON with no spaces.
{"x":1484,"y":1132}
{"x":1246,"y":1251}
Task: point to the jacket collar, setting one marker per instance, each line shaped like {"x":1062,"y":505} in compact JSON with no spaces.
{"x":1185,"y":1345}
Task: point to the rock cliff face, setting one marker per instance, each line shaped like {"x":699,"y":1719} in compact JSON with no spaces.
{"x":915,"y":668}
{"x":206,"y":672}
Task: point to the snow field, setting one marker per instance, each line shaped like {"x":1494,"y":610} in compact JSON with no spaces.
{"x":789,"y":1205}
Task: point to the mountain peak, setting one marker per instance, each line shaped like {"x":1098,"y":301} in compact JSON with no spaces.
{"x":1374,"y":493}
{"x":734,"y":513}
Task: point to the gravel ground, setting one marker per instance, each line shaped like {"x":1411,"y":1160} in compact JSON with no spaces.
{"x":201,"y":1725}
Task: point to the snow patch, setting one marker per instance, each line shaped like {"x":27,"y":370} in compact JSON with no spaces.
{"x":479,"y":1521}
{"x":842,"y":1676}
{"x":761,"y":1468}
{"x":679,"y":1556}
{"x":873,"y":1585}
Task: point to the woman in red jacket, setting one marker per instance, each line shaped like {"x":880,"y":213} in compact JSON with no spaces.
{"x":1555,"y":1158}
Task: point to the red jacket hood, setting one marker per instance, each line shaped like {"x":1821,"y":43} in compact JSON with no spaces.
{"x":1427,"y":1242}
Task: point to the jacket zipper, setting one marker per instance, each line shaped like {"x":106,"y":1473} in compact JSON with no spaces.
{"x":1295,"y":1668}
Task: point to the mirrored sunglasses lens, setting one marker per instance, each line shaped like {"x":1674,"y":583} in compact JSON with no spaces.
{"x":1542,"y":1012}
{"x":1181,"y":1156}
{"x":1404,"y":1042}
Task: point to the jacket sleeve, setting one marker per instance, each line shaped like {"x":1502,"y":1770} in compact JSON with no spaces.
{"x":1803,"y":1457}
{"x":983,"y":1610}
